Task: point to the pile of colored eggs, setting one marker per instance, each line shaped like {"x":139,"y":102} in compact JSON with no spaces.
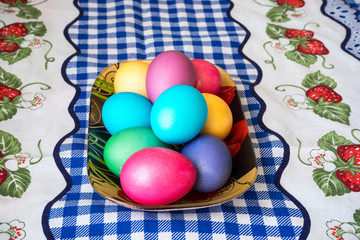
{"x":170,"y":102}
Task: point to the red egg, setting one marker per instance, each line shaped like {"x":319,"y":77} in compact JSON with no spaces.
{"x":207,"y":77}
{"x":157,"y":176}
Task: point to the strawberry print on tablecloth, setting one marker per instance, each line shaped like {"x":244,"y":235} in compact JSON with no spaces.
{"x":298,"y":45}
{"x":13,"y":230}
{"x":283,"y":10}
{"x":319,"y":96}
{"x":13,"y":95}
{"x":18,"y":39}
{"x":20,"y":8}
{"x":336,"y":163}
{"x":344,"y":230}
{"x":14,"y":176}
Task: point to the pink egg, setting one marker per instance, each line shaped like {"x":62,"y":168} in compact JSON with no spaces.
{"x":157,"y":176}
{"x":208,"y":78}
{"x":168,"y":69}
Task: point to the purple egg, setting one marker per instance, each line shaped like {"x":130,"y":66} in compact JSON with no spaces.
{"x":168,"y":69}
{"x":212,"y":160}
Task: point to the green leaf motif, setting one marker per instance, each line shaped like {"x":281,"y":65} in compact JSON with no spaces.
{"x":278,"y":14}
{"x":317,"y":78}
{"x":9,"y":79}
{"x":301,"y":58}
{"x":36,"y":28}
{"x":357,"y":217}
{"x":27,"y":11}
{"x":329,"y":183}
{"x":13,"y":57}
{"x":331,"y":141}
{"x":338,"y":112}
{"x":16,"y":183}
{"x":275,"y":31}
{"x":7,"y":110}
{"x":9,"y":145}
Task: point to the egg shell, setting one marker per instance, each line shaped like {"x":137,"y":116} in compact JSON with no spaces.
{"x":124,"y":143}
{"x":157,"y":176}
{"x":212,"y":160}
{"x":207,"y":77}
{"x":131,"y":77}
{"x":168,"y":69}
{"x":219,"y":119}
{"x":124,"y":110}
{"x":179,"y":114}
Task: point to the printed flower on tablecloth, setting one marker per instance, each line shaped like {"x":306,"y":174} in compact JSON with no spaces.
{"x":336,"y":164}
{"x":14,"y":174}
{"x":305,"y":49}
{"x":281,"y":45}
{"x":21,"y":8}
{"x":18,"y":39}
{"x":296,"y":102}
{"x":344,"y":230}
{"x":319,"y":96}
{"x":13,"y":96}
{"x":13,"y":230}
{"x":283,"y":10}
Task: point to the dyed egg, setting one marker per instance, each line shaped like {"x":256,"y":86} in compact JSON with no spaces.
{"x":179,"y":114}
{"x":124,"y":110}
{"x":168,"y":69}
{"x":208,"y":78}
{"x":157,"y":176}
{"x":219,"y":119}
{"x":130,"y":77}
{"x":123,"y":144}
{"x":212,"y":160}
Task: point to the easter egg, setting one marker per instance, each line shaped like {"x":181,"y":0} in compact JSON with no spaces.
{"x":130,"y":77}
{"x":179,"y":114}
{"x":168,"y":69}
{"x":157,"y":176}
{"x":207,"y":77}
{"x":212,"y":160}
{"x":124,"y":110}
{"x":124,"y":143}
{"x":219,"y":119}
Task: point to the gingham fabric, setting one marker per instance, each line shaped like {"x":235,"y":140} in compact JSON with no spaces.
{"x":112,"y":31}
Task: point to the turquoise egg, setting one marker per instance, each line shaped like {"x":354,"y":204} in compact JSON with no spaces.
{"x":124,"y":110}
{"x":178,"y":114}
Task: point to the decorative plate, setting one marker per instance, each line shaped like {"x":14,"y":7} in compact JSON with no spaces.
{"x":108,"y":185}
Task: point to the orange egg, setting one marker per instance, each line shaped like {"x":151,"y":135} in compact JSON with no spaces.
{"x":219,"y":119}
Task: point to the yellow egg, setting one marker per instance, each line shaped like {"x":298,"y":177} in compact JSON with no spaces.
{"x":219,"y":120}
{"x":130,"y":77}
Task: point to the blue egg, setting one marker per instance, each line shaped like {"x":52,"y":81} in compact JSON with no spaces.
{"x":178,"y":114}
{"x":124,"y":110}
{"x":212,"y":160}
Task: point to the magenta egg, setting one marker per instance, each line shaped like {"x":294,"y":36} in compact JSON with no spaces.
{"x":168,"y":69}
{"x":157,"y":176}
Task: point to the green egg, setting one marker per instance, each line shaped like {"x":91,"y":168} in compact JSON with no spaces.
{"x":123,"y":144}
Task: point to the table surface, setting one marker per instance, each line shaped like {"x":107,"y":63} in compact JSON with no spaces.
{"x":295,"y":64}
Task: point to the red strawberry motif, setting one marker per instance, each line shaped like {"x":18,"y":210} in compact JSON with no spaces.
{"x":296,"y":33}
{"x":3,"y":175}
{"x":313,"y":47}
{"x":325,"y":92}
{"x":292,"y":3}
{"x":12,"y":1}
{"x":6,"y":46}
{"x":8,"y":92}
{"x":345,"y":152}
{"x":15,"y":29}
{"x":351,"y":179}
{"x":8,"y":34}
